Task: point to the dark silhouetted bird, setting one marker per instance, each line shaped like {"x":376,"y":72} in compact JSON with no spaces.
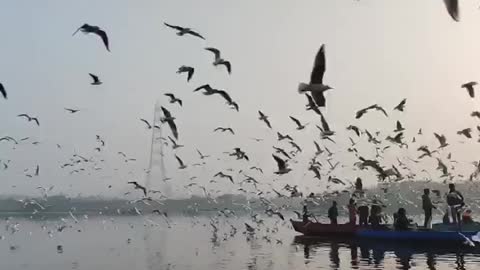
{"x":138,"y":186}
{"x":219,"y":60}
{"x":316,"y":86}
{"x":167,"y":117}
{"x":282,"y":165}
{"x":71,"y":110}
{"x":174,"y":99}
{"x":96,"y":80}
{"x":3,"y":91}
{"x":401,"y":105}
{"x":29,"y":118}
{"x":469,"y":86}
{"x":184,"y":31}
{"x":87,"y":29}
{"x":189,"y":70}
{"x":264,"y":118}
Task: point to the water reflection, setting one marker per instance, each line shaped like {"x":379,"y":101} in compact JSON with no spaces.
{"x":373,"y":253}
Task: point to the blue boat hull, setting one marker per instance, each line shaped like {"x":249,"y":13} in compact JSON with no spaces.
{"x":414,"y":235}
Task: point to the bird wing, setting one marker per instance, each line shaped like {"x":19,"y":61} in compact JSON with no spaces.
{"x":179,"y":28}
{"x":324,"y":123}
{"x":103,"y":35}
{"x":295,"y":120}
{"x":224,"y":95}
{"x":399,"y":125}
{"x":268,"y":123}
{"x":170,"y":95}
{"x":190,"y":73}
{"x":3,"y":91}
{"x":319,"y":98}
{"x":401,"y":105}
{"x":193,"y":33}
{"x":228,"y":65}
{"x":36,"y":120}
{"x":179,"y":160}
{"x":215,"y":51}
{"x":166,"y":112}
{"x":205,"y":86}
{"x":94,"y":77}
{"x":146,"y":122}
{"x":280,"y":162}
{"x":318,"y":67}
{"x":24,"y":115}
{"x":172,"y":140}
{"x":452,"y":8}
{"x":173,"y":128}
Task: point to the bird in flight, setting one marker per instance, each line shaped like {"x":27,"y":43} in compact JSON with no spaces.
{"x":29,"y":118}
{"x":355,"y":129}
{"x":175,"y":145}
{"x":207,"y":88}
{"x":401,"y":105}
{"x":300,"y":126}
{"x":174,"y":99}
{"x":219,"y":60}
{"x":465,"y":132}
{"x":180,"y":162}
{"x":87,"y":29}
{"x":282,"y":165}
{"x":441,"y":139}
{"x":189,"y":70}
{"x":71,"y":110}
{"x":148,"y":124}
{"x":264,"y":118}
{"x":184,"y":31}
{"x":3,"y":91}
{"x":469,"y":86}
{"x":282,"y":137}
{"x":202,"y":156}
{"x":222,"y":129}
{"x":138,"y":186}
{"x":399,"y":127}
{"x":363,"y":111}
{"x":222,"y":175}
{"x":452,"y":8}
{"x":167,"y":117}
{"x":96,"y":80}
{"x":316,"y":86}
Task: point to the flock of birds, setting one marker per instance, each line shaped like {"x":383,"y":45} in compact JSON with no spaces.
{"x":322,"y":164}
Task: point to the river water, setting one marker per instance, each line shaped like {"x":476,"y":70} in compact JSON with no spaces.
{"x":179,"y":242}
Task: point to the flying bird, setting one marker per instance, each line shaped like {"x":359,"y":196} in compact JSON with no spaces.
{"x":401,"y":105}
{"x":180,"y":162}
{"x":300,"y":126}
{"x":87,"y":29}
{"x":363,"y":111}
{"x":469,"y":86}
{"x":281,"y":137}
{"x":96,"y":80}
{"x":442,"y":140}
{"x":452,"y":8}
{"x":281,"y":151}
{"x":264,"y":118}
{"x":29,"y":118}
{"x":138,"y":186}
{"x":222,"y":129}
{"x":316,"y":86}
{"x":399,"y":127}
{"x":355,"y":129}
{"x":184,"y":31}
{"x":175,"y":145}
{"x":222,"y":175}
{"x":188,"y":70}
{"x":167,"y":117}
{"x":3,"y":91}
{"x":174,"y":99}
{"x":465,"y":132}
{"x":475,"y":114}
{"x":207,"y":88}
{"x":282,"y":165}
{"x":325,"y":130}
{"x":219,"y":60}
{"x":147,"y":123}
{"x":311,"y":105}
{"x":71,"y":110}
{"x":202,"y":156}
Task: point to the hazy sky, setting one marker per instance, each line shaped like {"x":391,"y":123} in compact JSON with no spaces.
{"x":377,"y":52}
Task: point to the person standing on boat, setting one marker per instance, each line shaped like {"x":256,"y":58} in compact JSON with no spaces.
{"x":427,"y":206}
{"x":352,"y":211}
{"x":333,"y":213}
{"x":306,"y":215}
{"x":455,"y":201}
{"x":363,"y":212}
{"x":375,"y":214}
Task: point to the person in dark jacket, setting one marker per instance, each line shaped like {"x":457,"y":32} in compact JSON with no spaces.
{"x":333,"y":213}
{"x":401,"y":221}
{"x":456,"y":201}
{"x":363,"y":212}
{"x":306,"y":215}
{"x":375,"y":214}
{"x":427,"y":206}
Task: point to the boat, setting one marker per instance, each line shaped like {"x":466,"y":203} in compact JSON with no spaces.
{"x":385,"y":232}
{"x":321,"y":229}
{"x":415,"y":235}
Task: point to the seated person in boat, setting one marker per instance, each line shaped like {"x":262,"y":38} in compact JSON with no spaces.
{"x":467,"y":217}
{"x":333,"y":213}
{"x":401,"y":222}
{"x":352,"y":211}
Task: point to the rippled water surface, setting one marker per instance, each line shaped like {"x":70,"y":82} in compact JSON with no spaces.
{"x":126,"y":243}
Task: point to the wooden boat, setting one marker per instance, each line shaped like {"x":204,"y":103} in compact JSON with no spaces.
{"x":320,"y":229}
{"x":415,"y":235}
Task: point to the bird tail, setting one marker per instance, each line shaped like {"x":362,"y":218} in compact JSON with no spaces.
{"x":302,"y":88}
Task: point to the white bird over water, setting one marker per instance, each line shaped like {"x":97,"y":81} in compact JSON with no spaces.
{"x":316,"y":86}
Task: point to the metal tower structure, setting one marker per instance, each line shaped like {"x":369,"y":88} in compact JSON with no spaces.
{"x":156,"y":167}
